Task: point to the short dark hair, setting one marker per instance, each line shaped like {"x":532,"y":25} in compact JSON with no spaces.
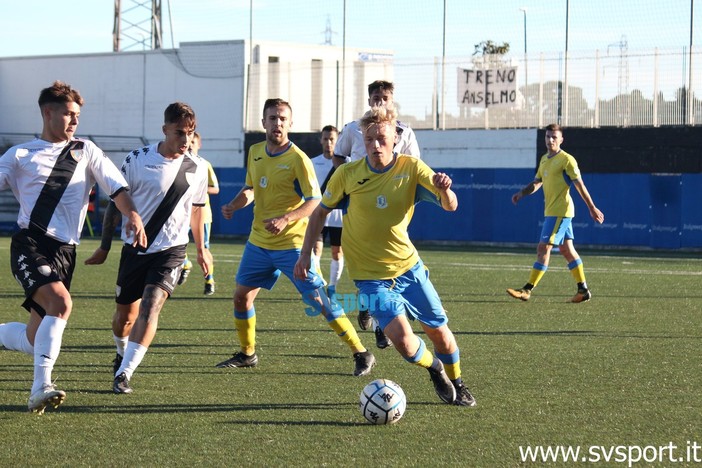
{"x":554,"y":127}
{"x":275,"y":102}
{"x":381,"y":85}
{"x":58,"y":93}
{"x":180,"y":112}
{"x":330,"y":128}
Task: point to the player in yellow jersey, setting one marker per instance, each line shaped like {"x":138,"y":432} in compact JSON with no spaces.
{"x":378,"y":194}
{"x":281,"y":181}
{"x":557,"y":171}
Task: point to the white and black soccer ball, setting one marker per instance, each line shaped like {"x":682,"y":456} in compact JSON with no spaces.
{"x":383,"y":402}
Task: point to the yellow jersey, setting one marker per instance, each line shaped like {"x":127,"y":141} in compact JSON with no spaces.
{"x":557,"y":174}
{"x":281,"y":183}
{"x":377,"y":208}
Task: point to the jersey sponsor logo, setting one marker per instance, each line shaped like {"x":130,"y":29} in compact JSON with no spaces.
{"x":327,"y":194}
{"x":283,"y":166}
{"x":361,"y":182}
{"x":381,"y":202}
{"x":22,"y":152}
{"x":118,"y":290}
{"x":44,"y":270}
{"x":401,"y":176}
{"x":153,"y":166}
{"x":263,"y":183}
{"x":77,"y":154}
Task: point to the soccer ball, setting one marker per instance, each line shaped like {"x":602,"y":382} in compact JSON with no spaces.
{"x":383,"y":402}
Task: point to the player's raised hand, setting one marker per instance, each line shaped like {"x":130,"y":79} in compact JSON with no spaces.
{"x":442,"y":181}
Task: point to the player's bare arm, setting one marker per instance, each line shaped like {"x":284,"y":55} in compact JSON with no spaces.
{"x":110,"y":221}
{"x":595,"y":213}
{"x":134,"y":224}
{"x":197,"y":227}
{"x":526,"y":191}
{"x":277,"y":224}
{"x":314,"y":227}
{"x":241,"y":200}
{"x":449,"y":201}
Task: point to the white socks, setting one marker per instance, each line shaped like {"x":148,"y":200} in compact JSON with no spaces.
{"x":13,"y":336}
{"x":315,"y":265}
{"x":47,"y":346}
{"x":133,"y":356}
{"x":121,"y":343}
{"x":335,"y":269}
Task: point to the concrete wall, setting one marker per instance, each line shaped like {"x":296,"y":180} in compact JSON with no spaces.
{"x":125,"y":95}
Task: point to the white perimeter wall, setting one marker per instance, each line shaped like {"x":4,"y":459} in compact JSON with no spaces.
{"x":125,"y":95}
{"x":479,"y":149}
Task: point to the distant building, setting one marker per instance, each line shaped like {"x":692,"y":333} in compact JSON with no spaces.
{"x":226,"y":82}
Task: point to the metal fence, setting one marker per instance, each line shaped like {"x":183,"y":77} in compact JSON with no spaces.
{"x":587,"y":89}
{"x":619,"y":88}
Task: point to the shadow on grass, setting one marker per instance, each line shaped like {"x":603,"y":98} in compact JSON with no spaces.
{"x":583,"y":333}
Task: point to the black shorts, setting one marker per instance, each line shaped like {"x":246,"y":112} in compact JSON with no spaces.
{"x":136,"y":271}
{"x":334,"y":234}
{"x":36,"y":259}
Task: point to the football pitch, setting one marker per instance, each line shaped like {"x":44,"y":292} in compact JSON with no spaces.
{"x":624,"y":369}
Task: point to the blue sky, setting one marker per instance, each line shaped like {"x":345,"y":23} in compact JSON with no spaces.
{"x":412,"y":28}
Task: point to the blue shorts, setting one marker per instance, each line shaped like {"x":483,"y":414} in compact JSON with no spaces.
{"x":556,"y":229}
{"x":260,"y":268}
{"x":411,"y":293}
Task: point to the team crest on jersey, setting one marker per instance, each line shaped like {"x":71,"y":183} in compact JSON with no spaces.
{"x":77,"y":154}
{"x":381,"y":202}
{"x":263,"y":182}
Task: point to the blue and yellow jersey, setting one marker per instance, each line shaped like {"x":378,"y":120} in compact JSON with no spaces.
{"x":557,"y":174}
{"x":378,"y":207}
{"x":281,"y":183}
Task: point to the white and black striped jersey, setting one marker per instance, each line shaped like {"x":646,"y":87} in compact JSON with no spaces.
{"x":350,"y":143}
{"x":52,"y":182}
{"x":164,"y":191}
{"x":322,"y":168}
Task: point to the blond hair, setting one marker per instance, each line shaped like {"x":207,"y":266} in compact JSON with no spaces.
{"x":379,"y":116}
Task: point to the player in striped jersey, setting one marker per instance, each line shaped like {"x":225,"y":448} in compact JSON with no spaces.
{"x":281,"y":181}
{"x":51,"y":177}
{"x":323,"y":169}
{"x":377,"y":195}
{"x":169,"y":185}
